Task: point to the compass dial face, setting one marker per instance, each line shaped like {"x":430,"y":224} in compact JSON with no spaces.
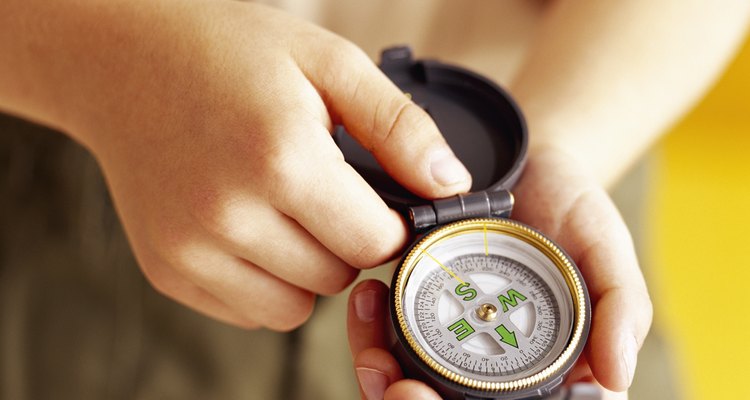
{"x":486,"y":304}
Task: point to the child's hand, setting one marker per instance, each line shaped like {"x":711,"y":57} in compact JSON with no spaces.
{"x":562,"y":201}
{"x":212,"y":125}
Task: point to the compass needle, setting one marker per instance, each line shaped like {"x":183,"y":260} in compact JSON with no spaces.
{"x":446,"y":269}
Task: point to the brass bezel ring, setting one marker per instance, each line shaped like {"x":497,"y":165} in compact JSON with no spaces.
{"x":519,"y":231}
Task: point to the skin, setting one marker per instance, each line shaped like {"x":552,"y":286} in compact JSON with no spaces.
{"x":571,"y":208}
{"x":211,"y":122}
{"x":600,"y":85}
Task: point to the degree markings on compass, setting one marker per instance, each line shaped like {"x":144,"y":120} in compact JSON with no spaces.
{"x":446,"y":269}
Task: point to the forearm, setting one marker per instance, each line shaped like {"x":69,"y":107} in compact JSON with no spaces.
{"x":43,"y":53}
{"x":70,"y":64}
{"x":605,"y":79}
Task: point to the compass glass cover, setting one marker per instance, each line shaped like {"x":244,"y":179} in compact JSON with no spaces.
{"x":485,"y":304}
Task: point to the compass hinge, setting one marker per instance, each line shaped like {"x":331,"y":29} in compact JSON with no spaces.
{"x":462,"y":206}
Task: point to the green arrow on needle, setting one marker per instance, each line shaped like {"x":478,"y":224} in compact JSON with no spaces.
{"x":507,"y":336}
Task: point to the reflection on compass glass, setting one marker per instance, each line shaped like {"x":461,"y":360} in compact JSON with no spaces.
{"x":487,"y":305}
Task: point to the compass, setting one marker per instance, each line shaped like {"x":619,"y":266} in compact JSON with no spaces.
{"x":481,"y":306}
{"x":491,"y":308}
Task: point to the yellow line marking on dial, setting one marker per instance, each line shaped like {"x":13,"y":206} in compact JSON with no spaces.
{"x":446,"y":269}
{"x":486,"y":246}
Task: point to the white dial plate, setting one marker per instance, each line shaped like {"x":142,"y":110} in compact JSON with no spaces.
{"x":456,"y":284}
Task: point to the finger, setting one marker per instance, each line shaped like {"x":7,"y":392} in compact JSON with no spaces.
{"x":615,"y":340}
{"x":275,"y":242}
{"x":622,"y":309}
{"x":367,"y":316}
{"x":318,"y":189}
{"x":609,"y":395}
{"x":170,"y":283}
{"x":581,"y":372}
{"x":408,"y":389}
{"x":376,"y":369}
{"x":303,"y":175}
{"x":581,"y":384}
{"x":591,"y":390}
{"x":401,"y":136}
{"x":581,"y":217}
{"x":302,"y":260}
{"x":249,"y":291}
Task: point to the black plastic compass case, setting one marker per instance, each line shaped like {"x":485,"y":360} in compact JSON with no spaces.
{"x":482,"y":307}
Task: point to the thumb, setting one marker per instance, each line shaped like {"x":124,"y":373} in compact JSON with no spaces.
{"x":401,"y":136}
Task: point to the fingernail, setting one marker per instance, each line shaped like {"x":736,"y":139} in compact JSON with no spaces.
{"x":373,"y":383}
{"x":446,"y":169}
{"x":584,"y":391}
{"x":629,"y":356}
{"x":366,"y":305}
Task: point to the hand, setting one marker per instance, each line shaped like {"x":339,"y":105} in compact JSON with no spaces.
{"x":561,"y":201}
{"x":211,"y":121}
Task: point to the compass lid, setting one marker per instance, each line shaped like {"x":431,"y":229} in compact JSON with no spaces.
{"x":478,"y":119}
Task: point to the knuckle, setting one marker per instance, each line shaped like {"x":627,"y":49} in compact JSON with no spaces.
{"x":343,"y":65}
{"x":338,"y":283}
{"x":370,"y":251}
{"x":403,"y":119}
{"x":290,"y":318}
{"x":295,"y":172}
{"x":279,"y":157}
{"x":284,"y":167}
{"x":339,"y":48}
{"x":160,"y":280}
{"x":286,"y":176}
{"x":222,"y":215}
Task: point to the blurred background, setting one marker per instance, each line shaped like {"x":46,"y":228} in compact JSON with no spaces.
{"x":697,"y":240}
{"x":132,"y":343}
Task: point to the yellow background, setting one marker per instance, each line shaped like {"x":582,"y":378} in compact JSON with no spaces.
{"x":700,"y":240}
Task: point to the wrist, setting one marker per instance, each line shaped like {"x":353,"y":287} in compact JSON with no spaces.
{"x":552,"y":152}
{"x":591,"y":154}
